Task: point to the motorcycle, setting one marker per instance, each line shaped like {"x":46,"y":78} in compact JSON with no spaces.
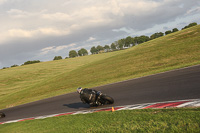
{"x":103,"y":99}
{"x":2,"y":115}
{"x":93,"y":97}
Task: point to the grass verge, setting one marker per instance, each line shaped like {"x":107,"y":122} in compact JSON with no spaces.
{"x":180,"y":120}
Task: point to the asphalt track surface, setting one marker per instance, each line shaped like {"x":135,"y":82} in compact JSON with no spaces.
{"x":178,"y":84}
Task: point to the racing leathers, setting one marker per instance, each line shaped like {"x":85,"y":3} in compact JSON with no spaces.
{"x":89,"y":96}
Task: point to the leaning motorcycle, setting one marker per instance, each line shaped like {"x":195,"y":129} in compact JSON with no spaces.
{"x":104,"y":99}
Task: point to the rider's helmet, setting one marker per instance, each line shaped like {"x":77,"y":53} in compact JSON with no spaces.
{"x":79,"y":90}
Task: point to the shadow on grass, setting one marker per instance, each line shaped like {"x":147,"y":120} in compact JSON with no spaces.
{"x":77,"y":105}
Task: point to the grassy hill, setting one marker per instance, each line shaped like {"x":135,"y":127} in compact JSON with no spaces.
{"x":29,"y":83}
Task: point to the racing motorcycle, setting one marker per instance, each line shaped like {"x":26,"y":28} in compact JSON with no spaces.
{"x":93,"y":97}
{"x":104,"y":99}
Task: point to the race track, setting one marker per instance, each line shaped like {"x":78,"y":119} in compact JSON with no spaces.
{"x":173,"y":85}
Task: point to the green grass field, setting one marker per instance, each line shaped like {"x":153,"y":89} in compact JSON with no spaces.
{"x":29,"y":83}
{"x":184,"y":120}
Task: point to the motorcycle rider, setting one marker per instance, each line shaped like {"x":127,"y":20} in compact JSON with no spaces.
{"x":89,"y":96}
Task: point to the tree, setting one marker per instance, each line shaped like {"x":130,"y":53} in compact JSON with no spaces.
{"x":113,"y":47}
{"x":190,"y":25}
{"x":156,"y":35}
{"x":82,"y":52}
{"x":168,"y":32}
{"x":142,"y":39}
{"x":57,"y":58}
{"x":136,"y":40}
{"x":99,"y":48}
{"x":107,"y":48}
{"x":128,"y":41}
{"x":175,"y":30}
{"x":93,"y":50}
{"x":73,"y":54}
{"x":31,"y":62}
{"x":120,"y":43}
{"x":14,"y":65}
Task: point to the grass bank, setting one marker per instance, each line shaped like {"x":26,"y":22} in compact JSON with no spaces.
{"x":38,"y":81}
{"x":148,"y":120}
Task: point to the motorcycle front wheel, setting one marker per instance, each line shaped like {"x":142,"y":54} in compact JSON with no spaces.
{"x":107,"y":99}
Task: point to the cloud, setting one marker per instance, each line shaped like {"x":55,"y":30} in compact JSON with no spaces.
{"x":91,"y":39}
{"x":21,"y":33}
{"x":193,"y":11}
{"x":16,"y":13}
{"x":55,"y":49}
{"x":2,"y":1}
{"x":139,"y":8}
{"x":47,"y":49}
{"x":58,"y":16}
{"x":14,"y":34}
{"x":30,"y":28}
{"x":111,"y":13}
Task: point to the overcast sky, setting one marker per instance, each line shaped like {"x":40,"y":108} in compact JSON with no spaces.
{"x":43,"y":29}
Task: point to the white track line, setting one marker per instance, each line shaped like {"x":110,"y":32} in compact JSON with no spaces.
{"x":177,"y":103}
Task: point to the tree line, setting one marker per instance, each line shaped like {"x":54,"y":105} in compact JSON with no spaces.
{"x":125,"y":42}
{"x":115,"y":46}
